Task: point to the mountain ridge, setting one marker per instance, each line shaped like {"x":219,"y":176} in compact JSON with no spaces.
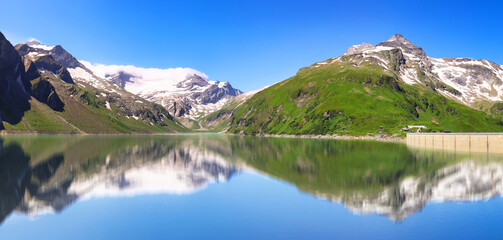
{"x":376,"y":89}
{"x":41,"y":95}
{"x":185,"y":92}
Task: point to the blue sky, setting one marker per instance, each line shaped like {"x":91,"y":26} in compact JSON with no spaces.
{"x":250,"y":43}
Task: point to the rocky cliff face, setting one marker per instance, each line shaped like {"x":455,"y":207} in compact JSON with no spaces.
{"x":14,"y":87}
{"x":45,"y":92}
{"x":44,"y":60}
{"x":465,"y":80}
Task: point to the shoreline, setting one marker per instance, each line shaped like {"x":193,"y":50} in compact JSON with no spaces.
{"x":380,"y":138}
{"x":16,"y":132}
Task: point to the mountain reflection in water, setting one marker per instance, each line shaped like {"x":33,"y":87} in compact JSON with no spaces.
{"x":40,"y":174}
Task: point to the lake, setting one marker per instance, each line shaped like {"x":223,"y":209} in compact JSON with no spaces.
{"x":237,"y":187}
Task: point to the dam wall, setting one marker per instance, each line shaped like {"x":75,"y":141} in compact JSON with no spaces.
{"x":463,"y":142}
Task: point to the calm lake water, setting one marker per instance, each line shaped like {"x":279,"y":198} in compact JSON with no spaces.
{"x":235,"y":187}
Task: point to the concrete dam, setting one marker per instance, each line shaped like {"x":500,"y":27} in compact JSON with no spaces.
{"x":463,"y":142}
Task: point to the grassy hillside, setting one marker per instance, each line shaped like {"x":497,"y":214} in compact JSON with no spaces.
{"x":341,"y":98}
{"x":494,"y":109}
{"x":84,"y":112}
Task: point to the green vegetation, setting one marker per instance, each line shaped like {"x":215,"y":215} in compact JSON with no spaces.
{"x":83,"y":112}
{"x":40,"y":117}
{"x":220,"y":120}
{"x":494,"y":109}
{"x":345,"y":99}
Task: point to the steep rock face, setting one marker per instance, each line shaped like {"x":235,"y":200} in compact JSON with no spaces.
{"x":44,"y":60}
{"x":44,"y":92}
{"x":465,"y":80}
{"x":184,"y":92}
{"x":398,"y":41}
{"x":41,"y":89}
{"x":65,"y":58}
{"x":31,"y":70}
{"x":14,"y":88}
{"x":48,"y":63}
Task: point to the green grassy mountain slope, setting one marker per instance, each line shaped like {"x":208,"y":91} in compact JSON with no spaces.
{"x":83,"y":112}
{"x":348,"y":98}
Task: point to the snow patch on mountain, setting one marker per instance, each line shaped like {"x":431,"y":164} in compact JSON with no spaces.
{"x":145,"y":80}
{"x":475,"y":79}
{"x":37,"y":45}
{"x":185,"y":92}
{"x":465,"y":80}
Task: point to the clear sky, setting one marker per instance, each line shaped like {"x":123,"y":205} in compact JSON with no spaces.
{"x":250,"y":43}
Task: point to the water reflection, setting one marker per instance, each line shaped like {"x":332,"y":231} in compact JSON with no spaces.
{"x":41,"y":174}
{"x":63,"y":169}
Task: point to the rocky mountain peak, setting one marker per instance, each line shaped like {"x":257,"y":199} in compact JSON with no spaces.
{"x":358,"y":48}
{"x":45,"y":60}
{"x":192,"y":80}
{"x":33,"y":42}
{"x":398,"y":38}
{"x":65,"y":58}
{"x":57,"y":52}
{"x":465,"y":80}
{"x":398,"y":41}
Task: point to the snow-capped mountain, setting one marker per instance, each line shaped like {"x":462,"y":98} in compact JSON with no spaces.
{"x":55,"y":61}
{"x":465,"y":80}
{"x":37,"y":52}
{"x":185,"y":92}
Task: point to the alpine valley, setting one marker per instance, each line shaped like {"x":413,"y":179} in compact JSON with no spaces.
{"x":371,"y":89}
{"x":46,"y":89}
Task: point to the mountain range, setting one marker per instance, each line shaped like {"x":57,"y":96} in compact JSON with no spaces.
{"x":371,"y":89}
{"x":184,"y":92}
